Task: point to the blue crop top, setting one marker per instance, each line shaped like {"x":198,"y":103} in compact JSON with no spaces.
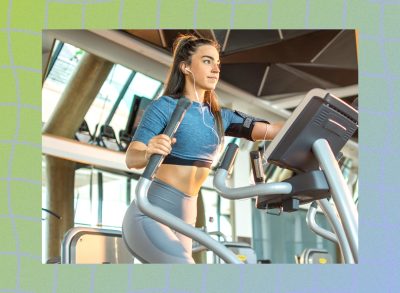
{"x":196,"y":144}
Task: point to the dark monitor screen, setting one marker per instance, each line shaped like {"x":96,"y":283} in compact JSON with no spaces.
{"x":138,"y":107}
{"x":319,"y":115}
{"x":144,"y":102}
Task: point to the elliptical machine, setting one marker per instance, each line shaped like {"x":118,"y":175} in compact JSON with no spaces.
{"x":308,"y":144}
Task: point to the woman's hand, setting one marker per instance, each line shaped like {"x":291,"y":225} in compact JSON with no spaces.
{"x":159,"y":144}
{"x":138,"y":154}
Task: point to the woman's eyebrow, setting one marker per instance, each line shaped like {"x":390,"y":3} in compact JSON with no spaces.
{"x":212,"y":58}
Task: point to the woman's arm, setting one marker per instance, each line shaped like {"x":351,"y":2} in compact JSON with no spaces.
{"x":136,"y":156}
{"x":264,"y":131}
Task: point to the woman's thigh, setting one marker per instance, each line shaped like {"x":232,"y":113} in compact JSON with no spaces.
{"x":154,"y":242}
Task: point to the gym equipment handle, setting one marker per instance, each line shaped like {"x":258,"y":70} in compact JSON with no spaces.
{"x":256,"y":165}
{"x":229,"y":156}
{"x":177,"y":116}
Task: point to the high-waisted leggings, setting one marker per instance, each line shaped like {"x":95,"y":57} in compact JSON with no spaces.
{"x":152,"y":242}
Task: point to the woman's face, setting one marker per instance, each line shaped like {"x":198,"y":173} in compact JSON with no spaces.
{"x":205,"y":67}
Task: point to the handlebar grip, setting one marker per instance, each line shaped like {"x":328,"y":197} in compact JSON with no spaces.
{"x":256,"y":165}
{"x":176,"y":118}
{"x":229,"y":156}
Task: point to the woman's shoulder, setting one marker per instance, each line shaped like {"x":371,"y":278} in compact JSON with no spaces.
{"x":226,"y":112}
{"x":162,"y":102}
{"x":166,"y":99}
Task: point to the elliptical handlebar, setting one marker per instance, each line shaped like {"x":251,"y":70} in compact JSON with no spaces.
{"x":312,"y":224}
{"x":229,"y":157}
{"x":342,"y":240}
{"x":243,"y":192}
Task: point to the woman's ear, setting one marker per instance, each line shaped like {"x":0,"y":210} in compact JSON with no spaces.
{"x":183,"y":67}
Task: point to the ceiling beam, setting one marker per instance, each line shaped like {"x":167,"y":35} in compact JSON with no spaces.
{"x":225,"y":40}
{"x":293,"y":101}
{"x":280,"y":34}
{"x":135,"y":45}
{"x":263,"y":80}
{"x":162,"y":37}
{"x":326,"y":47}
{"x":306,"y":76}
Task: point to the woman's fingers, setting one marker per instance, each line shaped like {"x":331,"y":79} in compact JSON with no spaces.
{"x":160,"y":144}
{"x":160,"y":149}
{"x":164,"y":137}
{"x":166,"y":140}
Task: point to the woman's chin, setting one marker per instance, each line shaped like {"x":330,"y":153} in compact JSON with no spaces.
{"x":208,"y":89}
{"x":211,"y":87}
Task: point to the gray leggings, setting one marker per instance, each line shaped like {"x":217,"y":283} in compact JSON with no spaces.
{"x":152,"y":242}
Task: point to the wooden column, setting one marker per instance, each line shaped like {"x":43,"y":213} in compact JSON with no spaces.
{"x":60,"y":201}
{"x":69,"y":113}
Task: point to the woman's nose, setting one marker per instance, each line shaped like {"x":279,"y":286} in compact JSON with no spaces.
{"x":216,"y":68}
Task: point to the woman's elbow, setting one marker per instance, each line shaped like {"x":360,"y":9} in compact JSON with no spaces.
{"x":128,"y":162}
{"x":129,"y":159}
{"x":132,"y":162}
{"x":134,"y":156}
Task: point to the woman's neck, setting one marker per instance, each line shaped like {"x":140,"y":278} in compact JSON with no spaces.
{"x":191,"y":95}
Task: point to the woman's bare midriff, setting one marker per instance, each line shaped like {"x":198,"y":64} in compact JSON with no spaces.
{"x":187,"y":179}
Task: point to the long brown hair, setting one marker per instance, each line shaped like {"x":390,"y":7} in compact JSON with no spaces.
{"x":183,"y":49}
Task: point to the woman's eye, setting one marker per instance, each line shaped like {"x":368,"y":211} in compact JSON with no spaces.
{"x":207,"y":61}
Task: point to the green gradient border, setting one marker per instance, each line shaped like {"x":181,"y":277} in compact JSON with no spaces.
{"x":21,"y":23}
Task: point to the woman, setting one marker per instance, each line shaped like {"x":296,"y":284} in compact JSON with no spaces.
{"x":193,"y":74}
